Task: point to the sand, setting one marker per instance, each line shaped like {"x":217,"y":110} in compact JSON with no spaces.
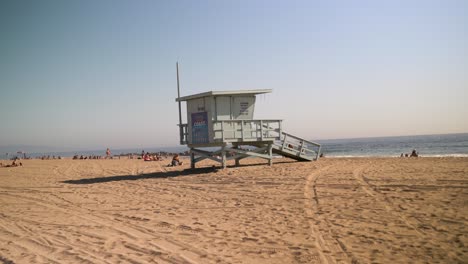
{"x":360,"y":210}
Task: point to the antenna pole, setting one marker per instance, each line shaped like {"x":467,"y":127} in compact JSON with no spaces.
{"x":178,"y":94}
{"x":181,"y":129}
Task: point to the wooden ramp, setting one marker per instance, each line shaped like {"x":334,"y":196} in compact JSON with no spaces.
{"x":296,"y":148}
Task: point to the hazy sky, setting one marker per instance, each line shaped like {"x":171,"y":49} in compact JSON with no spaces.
{"x":95,"y":74}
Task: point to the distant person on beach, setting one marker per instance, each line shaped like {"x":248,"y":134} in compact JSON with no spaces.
{"x":414,"y":154}
{"x":108,"y":153}
{"x":176,"y":161}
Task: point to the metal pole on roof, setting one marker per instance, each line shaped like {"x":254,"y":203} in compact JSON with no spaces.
{"x":181,"y":129}
{"x":178,"y":94}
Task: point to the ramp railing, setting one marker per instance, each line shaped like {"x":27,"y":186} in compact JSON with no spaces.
{"x":299,"y":147}
{"x":296,"y":146}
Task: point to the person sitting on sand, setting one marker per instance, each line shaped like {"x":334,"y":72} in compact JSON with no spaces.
{"x":176,"y":161}
{"x":414,"y":154}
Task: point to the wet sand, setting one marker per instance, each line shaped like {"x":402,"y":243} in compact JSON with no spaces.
{"x":360,"y":210}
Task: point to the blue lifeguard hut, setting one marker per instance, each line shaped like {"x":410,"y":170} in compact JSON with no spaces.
{"x":221,"y":126}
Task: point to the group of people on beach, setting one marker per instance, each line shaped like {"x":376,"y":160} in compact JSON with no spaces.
{"x":175,"y":159}
{"x":15,"y":163}
{"x":48,"y":157}
{"x":413,"y":154}
{"x":145,"y":156}
{"x":155,"y":157}
{"x":150,"y":157}
{"x":81,"y":157}
{"x":94,"y":157}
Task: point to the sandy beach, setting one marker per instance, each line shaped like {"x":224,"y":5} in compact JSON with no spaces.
{"x":356,"y":210}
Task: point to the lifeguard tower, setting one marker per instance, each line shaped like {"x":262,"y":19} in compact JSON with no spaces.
{"x":220,"y":127}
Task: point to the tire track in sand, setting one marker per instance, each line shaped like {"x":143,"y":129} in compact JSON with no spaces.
{"x":129,"y":236}
{"x":370,"y":190}
{"x":389,"y":206}
{"x":330,"y":250}
{"x":167,"y":249}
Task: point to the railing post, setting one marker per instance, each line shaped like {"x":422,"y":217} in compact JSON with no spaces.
{"x":242,"y":129}
{"x":222,"y":130}
{"x":280,"y":128}
{"x":267,"y":132}
{"x":284,"y":141}
{"x":302,"y":147}
{"x":234,"y":129}
{"x":261,"y":130}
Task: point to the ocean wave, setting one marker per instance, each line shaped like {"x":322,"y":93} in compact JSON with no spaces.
{"x":446,"y":155}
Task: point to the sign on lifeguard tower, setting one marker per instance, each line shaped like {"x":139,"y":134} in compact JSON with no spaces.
{"x":224,"y":120}
{"x":200,"y":128}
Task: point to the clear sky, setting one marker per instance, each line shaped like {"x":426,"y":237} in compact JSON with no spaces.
{"x":96,"y":74}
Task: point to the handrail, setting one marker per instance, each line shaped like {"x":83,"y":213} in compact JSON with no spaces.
{"x":246,"y":130}
{"x":256,"y":130}
{"x":299,"y":146}
{"x":301,"y":139}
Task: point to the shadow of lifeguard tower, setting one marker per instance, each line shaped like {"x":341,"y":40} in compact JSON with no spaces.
{"x":220,"y":127}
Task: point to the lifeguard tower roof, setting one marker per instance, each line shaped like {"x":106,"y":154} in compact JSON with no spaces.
{"x":223,"y":93}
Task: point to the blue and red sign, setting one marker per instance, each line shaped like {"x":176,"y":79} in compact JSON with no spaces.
{"x":200,"y":128}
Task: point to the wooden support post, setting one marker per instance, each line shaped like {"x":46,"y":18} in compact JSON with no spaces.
{"x":270,"y":153}
{"x":237,"y":159}
{"x":223,"y":158}
{"x":192,"y":159}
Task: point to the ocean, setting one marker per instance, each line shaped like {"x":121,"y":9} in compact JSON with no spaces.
{"x":447,"y":145}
